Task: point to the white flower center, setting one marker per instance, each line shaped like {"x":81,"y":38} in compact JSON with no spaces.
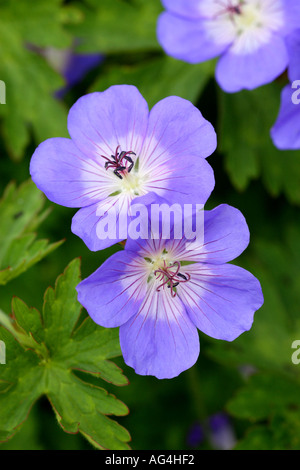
{"x":159,"y":259}
{"x":250,"y":17}
{"x":247,"y":24}
{"x":165,"y":274}
{"x":133,"y":183}
{"x":124,"y":175}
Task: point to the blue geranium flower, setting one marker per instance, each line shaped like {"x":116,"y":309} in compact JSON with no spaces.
{"x":159,"y":291}
{"x":248,"y":35}
{"x":286,"y":131}
{"x":120,"y":151}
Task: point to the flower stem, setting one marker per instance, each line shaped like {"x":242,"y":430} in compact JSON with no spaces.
{"x":196,"y":394}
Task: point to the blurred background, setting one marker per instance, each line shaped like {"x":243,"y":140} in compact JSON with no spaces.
{"x":244,"y":394}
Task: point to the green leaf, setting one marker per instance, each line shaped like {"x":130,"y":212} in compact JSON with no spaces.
{"x":158,"y":77}
{"x":256,"y":438}
{"x":20,"y":213}
{"x":29,"y":437}
{"x":275,"y":402}
{"x":112,"y":26}
{"x":49,"y":349}
{"x":43,"y":26}
{"x":246,"y":120}
{"x":30,"y":81}
{"x":281,"y":434}
{"x":264,"y":395}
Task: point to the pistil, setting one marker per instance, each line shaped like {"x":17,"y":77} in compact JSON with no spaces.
{"x":117,"y":162}
{"x":169,"y":277}
{"x":230,"y":8}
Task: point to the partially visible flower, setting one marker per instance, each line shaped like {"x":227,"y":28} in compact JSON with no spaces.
{"x":73,"y":66}
{"x":249,"y":35}
{"x":160,"y":291}
{"x":293,"y":44}
{"x":217,"y":430}
{"x":196,"y":435}
{"x":119,"y":151}
{"x":286,"y":131}
{"x":221,"y":435}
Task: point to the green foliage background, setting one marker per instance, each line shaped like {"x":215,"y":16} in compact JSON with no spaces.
{"x":251,"y":174}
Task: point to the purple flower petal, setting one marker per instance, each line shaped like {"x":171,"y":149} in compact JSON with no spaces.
{"x":187,"y":8}
{"x":221,"y":299}
{"x":236,"y":71}
{"x":79,"y":65}
{"x":85,"y":223}
{"x":226,"y":234}
{"x":112,"y":295}
{"x":160,"y":339}
{"x":65,"y":175}
{"x":192,"y":181}
{"x":178,"y":139}
{"x":100,"y":121}
{"x":293,"y":46}
{"x":292,"y":14}
{"x":75,"y":68}
{"x":177,"y":126}
{"x":286,"y":131}
{"x":187,"y":39}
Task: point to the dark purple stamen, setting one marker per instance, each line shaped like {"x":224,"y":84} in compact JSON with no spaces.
{"x":117,"y":162}
{"x":170,"y":278}
{"x":230,"y":8}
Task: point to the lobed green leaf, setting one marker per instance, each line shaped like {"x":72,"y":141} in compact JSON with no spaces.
{"x":43,"y":353}
{"x":20,"y":211}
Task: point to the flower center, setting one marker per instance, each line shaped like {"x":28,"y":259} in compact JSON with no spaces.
{"x":231,"y":7}
{"x":169,"y":275}
{"x":121,"y":162}
{"x":249,"y":17}
{"x":132,"y":183}
{"x":246,"y":24}
{"x":129,"y":179}
{"x":244,"y":16}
